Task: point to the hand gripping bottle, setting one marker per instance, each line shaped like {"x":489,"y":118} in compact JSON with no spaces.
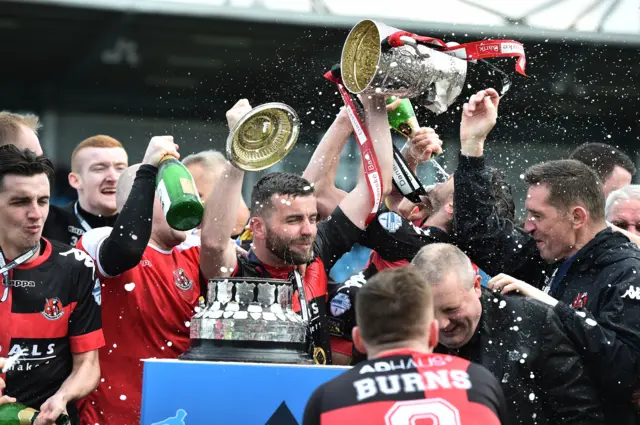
{"x":19,"y":414}
{"x":178,"y":195}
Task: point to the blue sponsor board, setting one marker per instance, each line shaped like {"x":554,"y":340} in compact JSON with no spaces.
{"x":178,"y":392}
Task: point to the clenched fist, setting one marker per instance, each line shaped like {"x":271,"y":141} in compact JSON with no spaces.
{"x":424,"y":143}
{"x":238,"y":111}
{"x":158,"y":148}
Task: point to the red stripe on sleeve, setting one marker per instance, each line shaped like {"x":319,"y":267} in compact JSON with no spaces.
{"x":87,"y":342}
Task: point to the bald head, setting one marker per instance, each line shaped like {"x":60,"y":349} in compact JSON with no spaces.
{"x":435,"y":262}
{"x":125,"y":183}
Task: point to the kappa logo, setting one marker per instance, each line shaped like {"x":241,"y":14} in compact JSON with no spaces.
{"x":53,"y":309}
{"x":22,"y":283}
{"x":632,"y":292}
{"x":357,"y":281}
{"x":80,"y":256}
{"x":181,"y":280}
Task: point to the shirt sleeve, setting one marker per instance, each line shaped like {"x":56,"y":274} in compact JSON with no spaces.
{"x":336,"y":236}
{"x":91,"y":242}
{"x":313,"y":409}
{"x":610,"y":341}
{"x":395,"y":238}
{"x":85,"y":322}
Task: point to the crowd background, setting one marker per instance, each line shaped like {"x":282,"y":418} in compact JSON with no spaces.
{"x":136,"y":68}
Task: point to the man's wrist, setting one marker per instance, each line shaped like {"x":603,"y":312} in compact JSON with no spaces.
{"x":472,"y":146}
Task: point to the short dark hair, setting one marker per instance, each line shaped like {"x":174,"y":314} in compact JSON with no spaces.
{"x":285,"y":184}
{"x":392,"y":307}
{"x":22,"y":162}
{"x":570,"y":182}
{"x":602,"y":158}
{"x":505,"y":206}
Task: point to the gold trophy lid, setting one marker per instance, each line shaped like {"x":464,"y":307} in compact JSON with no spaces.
{"x":262,"y":137}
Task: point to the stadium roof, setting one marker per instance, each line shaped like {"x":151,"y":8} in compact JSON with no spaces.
{"x":601,"y":21}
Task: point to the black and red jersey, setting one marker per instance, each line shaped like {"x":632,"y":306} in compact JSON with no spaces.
{"x":335,"y":237}
{"x":52,"y":311}
{"x":406,"y":387}
{"x":68,"y":223}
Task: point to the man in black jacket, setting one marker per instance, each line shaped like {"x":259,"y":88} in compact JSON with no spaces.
{"x":519,"y":340}
{"x":565,"y":247}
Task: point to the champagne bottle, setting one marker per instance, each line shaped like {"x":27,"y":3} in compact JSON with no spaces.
{"x":19,"y":414}
{"x":178,"y":195}
{"x":403,"y":118}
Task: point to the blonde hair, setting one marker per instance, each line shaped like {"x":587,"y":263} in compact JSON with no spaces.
{"x":11,"y":123}
{"x":99,"y":141}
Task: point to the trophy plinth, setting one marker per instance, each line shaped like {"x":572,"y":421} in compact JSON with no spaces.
{"x":249,"y":320}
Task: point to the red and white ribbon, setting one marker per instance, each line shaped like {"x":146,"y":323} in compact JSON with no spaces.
{"x":470,"y":51}
{"x":367,"y":151}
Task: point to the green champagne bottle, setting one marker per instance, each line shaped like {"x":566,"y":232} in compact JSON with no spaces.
{"x":403,"y":118}
{"x":178,"y":195}
{"x":19,"y":414}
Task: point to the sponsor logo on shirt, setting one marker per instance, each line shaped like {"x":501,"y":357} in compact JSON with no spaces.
{"x":632,"y":292}
{"x":580,"y":301}
{"x":357,"y":280}
{"x":340,"y":304}
{"x":30,"y":354}
{"x":97,"y":294}
{"x":22,"y":283}
{"x":390,"y":221}
{"x":75,"y":231}
{"x":80,"y":256}
{"x":52,"y":308}
{"x":181,"y":280}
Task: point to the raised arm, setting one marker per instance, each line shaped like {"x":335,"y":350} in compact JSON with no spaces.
{"x":121,"y":250}
{"x":217,"y":250}
{"x":357,"y":205}
{"x":323,"y":166}
{"x":496,"y":245}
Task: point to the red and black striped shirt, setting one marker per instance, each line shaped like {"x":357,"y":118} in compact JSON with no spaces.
{"x":52,"y":311}
{"x":406,"y":387}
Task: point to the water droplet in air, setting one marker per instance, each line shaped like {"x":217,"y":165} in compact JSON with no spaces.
{"x":123,"y":397}
{"x":129,"y":286}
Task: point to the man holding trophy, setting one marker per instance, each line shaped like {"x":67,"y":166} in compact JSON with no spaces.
{"x":288,"y":241}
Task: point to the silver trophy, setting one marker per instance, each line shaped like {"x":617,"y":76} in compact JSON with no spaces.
{"x":433,"y":78}
{"x":252,"y":320}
